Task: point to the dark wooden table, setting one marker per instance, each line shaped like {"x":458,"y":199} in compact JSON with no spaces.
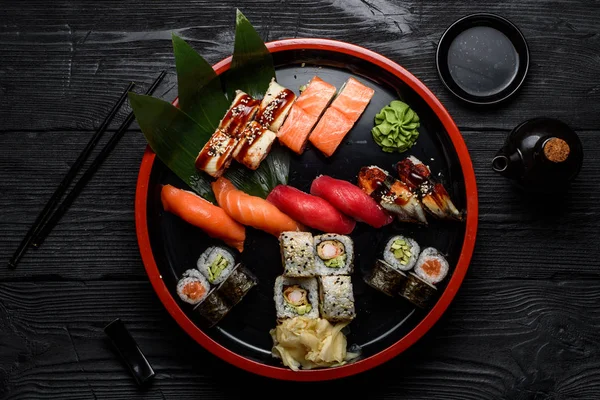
{"x":524,"y":325}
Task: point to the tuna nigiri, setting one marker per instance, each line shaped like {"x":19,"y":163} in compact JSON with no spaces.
{"x":251,"y":210}
{"x":310,"y":210}
{"x":211,"y":219}
{"x":350,"y":200}
{"x":305,"y":113}
{"x":341,"y":116}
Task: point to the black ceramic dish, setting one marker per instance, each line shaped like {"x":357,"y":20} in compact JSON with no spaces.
{"x":482,"y":59}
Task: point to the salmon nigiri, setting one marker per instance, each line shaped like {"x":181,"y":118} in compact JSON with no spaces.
{"x":305,"y":113}
{"x":211,"y":219}
{"x":341,"y":116}
{"x":251,"y":210}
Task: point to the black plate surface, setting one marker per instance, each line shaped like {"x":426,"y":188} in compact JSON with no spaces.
{"x":380,"y":321}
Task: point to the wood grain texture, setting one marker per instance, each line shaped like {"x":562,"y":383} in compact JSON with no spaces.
{"x":88,"y":52}
{"x":500,"y":339}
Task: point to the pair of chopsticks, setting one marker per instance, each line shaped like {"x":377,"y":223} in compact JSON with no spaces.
{"x":51,"y":213}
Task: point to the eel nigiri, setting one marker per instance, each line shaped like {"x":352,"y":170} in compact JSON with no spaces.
{"x":350,"y":200}
{"x":251,"y":210}
{"x":275,"y":106}
{"x":341,"y":116}
{"x":254,"y":145}
{"x":310,"y":210}
{"x":433,"y":195}
{"x":391,"y":194}
{"x":211,"y":219}
{"x":305,"y":113}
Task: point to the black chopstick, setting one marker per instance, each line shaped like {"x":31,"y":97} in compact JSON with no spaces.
{"x":67,"y":179}
{"x":80,"y":184}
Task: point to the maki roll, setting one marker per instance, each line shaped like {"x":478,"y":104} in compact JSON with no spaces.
{"x":336,"y":298}
{"x":296,"y":297}
{"x":334,"y":254}
{"x":418,"y":291}
{"x":297,"y":254}
{"x":216,"y":264}
{"x":385,"y":278}
{"x":401,"y":253}
{"x":237,"y":284}
{"x":213,"y":308}
{"x":431,"y":266}
{"x":192,"y":287}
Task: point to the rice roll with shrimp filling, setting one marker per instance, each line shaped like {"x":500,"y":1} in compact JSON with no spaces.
{"x":216,"y":263}
{"x":385,"y":278}
{"x":296,"y":297}
{"x":431,"y":266}
{"x":334,"y":254}
{"x":213,"y":308}
{"x":237,"y":284}
{"x":401,"y":253}
{"x":192,"y":287}
{"x":418,"y":291}
{"x":297,"y":254}
{"x":336,"y":298}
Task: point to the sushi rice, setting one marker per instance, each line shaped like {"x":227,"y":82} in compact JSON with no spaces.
{"x":334,"y":254}
{"x":401,"y":253}
{"x":192,"y":287}
{"x":336,"y":298}
{"x":304,"y":292}
{"x":216,"y":263}
{"x":297,"y":254}
{"x":431,"y":266}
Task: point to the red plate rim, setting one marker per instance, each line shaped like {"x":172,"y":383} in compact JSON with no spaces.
{"x":416,"y":333}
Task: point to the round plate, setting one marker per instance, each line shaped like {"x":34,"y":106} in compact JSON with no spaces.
{"x":482,"y":59}
{"x":384,"y":327}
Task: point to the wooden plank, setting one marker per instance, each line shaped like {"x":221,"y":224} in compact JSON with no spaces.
{"x":67,"y":61}
{"x":499,"y":339}
{"x":518,"y":236}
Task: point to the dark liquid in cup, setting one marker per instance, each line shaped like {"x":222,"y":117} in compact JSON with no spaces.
{"x":482,"y":61}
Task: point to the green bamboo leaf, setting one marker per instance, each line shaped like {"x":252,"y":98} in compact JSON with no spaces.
{"x":175,"y":138}
{"x":252,"y":65}
{"x":200,"y":93}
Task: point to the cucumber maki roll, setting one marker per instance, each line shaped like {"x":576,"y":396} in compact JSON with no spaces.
{"x":216,"y":263}
{"x":297,"y":254}
{"x":213,"y":308}
{"x":334,"y":254}
{"x":431,"y":266}
{"x":237,"y":284}
{"x":418,"y":291}
{"x":336,"y":298}
{"x":385,"y":278}
{"x":401,"y":253}
{"x":192,"y":287}
{"x":296,"y":297}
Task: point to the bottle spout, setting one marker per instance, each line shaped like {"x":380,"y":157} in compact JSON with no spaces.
{"x":508,"y":166}
{"x":500,"y":164}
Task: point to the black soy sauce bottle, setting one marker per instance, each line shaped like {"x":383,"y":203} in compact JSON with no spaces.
{"x":541,"y":155}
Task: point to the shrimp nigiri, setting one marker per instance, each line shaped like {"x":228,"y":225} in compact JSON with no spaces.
{"x":251,"y":210}
{"x":211,"y":219}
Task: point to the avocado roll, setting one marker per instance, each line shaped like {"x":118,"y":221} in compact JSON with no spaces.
{"x":336,"y":298}
{"x":431,"y":266}
{"x":385,"y":278}
{"x":401,"y":253}
{"x":192,"y":287}
{"x":296,"y":297}
{"x":213,"y":308}
{"x":297,"y":254}
{"x":334,"y":254}
{"x":419,"y":292}
{"x":216,"y":263}
{"x":237,"y":284}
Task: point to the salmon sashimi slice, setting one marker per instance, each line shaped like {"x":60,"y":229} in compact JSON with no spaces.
{"x":305,"y":113}
{"x":196,"y":211}
{"x":251,"y":210}
{"x":341,"y":116}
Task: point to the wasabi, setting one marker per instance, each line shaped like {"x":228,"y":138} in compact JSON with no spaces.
{"x":396,"y":127}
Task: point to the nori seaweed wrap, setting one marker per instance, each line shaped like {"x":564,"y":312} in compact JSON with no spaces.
{"x":237,"y":284}
{"x":386,"y":279}
{"x":418,"y":291}
{"x":213,"y":308}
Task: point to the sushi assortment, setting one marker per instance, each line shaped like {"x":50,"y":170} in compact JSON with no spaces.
{"x":216,"y":285}
{"x":408,"y":272}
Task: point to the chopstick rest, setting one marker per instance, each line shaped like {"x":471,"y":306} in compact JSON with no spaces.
{"x":129,"y":352}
